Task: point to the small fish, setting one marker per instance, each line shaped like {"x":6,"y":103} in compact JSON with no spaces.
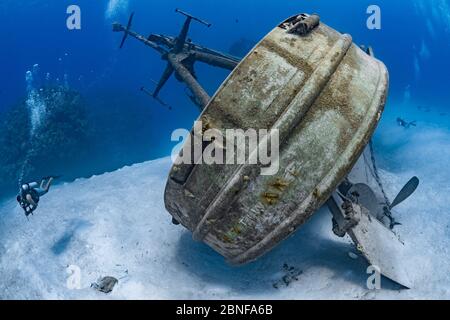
{"x":405,"y":124}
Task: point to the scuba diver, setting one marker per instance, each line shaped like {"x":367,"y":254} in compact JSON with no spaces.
{"x":405,"y":124}
{"x":30,"y":194}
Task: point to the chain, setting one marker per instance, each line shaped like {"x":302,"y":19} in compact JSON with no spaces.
{"x":378,"y":179}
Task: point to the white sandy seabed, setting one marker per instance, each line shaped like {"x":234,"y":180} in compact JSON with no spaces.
{"x":116,"y":225}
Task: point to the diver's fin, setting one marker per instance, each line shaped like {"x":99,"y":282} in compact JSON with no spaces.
{"x":406,"y":192}
{"x":54,"y":177}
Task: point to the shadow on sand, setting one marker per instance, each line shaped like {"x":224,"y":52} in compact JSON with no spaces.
{"x":307,"y":250}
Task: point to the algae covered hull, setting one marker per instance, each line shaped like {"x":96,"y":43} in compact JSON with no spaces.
{"x":324,"y":96}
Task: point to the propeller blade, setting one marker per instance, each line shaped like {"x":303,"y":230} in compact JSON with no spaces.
{"x":164,"y":78}
{"x":130,"y":21}
{"x":406,"y":192}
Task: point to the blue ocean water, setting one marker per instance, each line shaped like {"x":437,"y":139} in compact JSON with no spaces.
{"x":129,"y":127}
{"x":414,"y":43}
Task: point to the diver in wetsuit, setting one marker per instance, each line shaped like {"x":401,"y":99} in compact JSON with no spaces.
{"x":30,"y":194}
{"x":405,"y":124}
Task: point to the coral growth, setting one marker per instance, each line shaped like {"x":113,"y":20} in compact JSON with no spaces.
{"x":53,"y":145}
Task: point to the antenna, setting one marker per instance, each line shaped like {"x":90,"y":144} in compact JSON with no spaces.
{"x":181,"y":39}
{"x":193,"y":18}
{"x":158,"y":99}
{"x":117,"y":27}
